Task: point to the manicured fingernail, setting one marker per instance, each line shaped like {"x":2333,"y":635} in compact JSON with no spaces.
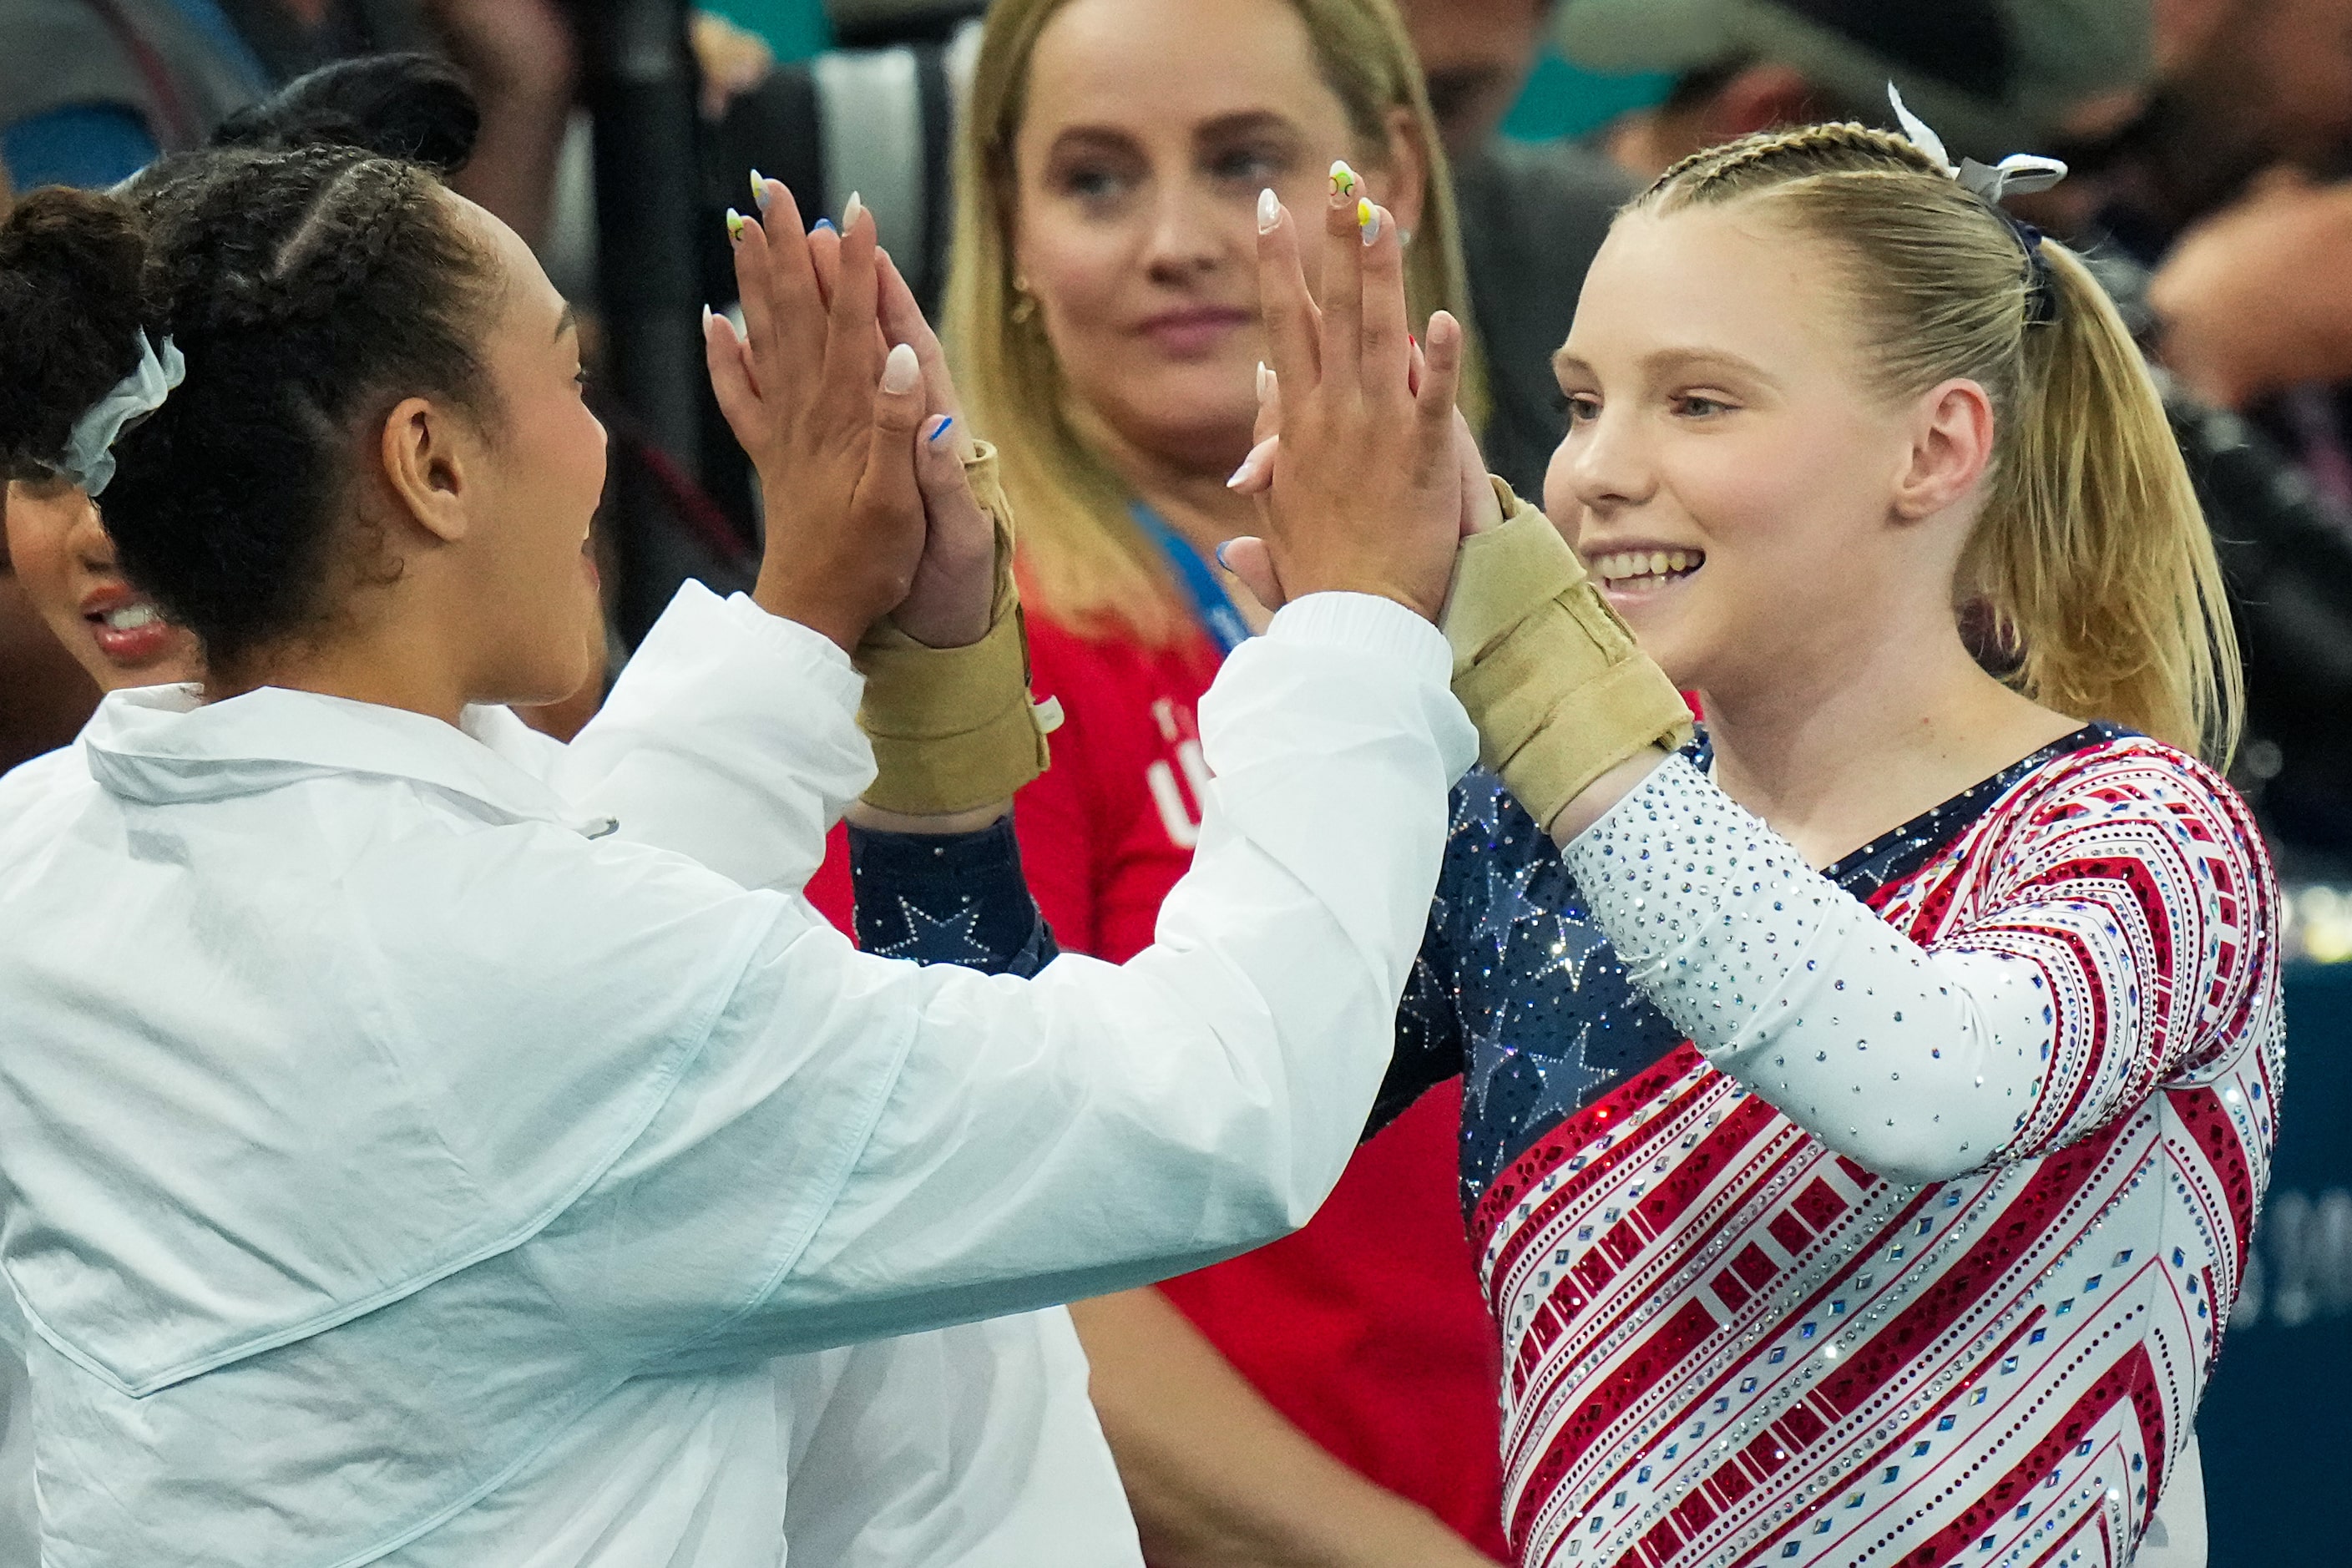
{"x":760,"y":189}
{"x":708,"y":315}
{"x":943,"y":428}
{"x":1413,"y":340}
{"x":1221,"y":556}
{"x":1265,"y":381}
{"x":1343,"y":183}
{"x":734,"y":224}
{"x":849,"y":211}
{"x":900,"y":371}
{"x":1367,"y":221}
{"x":1269,"y":210}
{"x":826,"y":225}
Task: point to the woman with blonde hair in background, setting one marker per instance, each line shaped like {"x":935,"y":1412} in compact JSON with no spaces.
{"x":1103,"y":317}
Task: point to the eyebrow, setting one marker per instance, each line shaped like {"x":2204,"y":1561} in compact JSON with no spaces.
{"x":1564,"y":363}
{"x":566,"y":323}
{"x":1241,"y":123}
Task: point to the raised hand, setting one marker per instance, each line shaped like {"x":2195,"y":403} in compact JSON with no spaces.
{"x":948,"y":605}
{"x":949,"y":602}
{"x":1364,"y":488}
{"x":831,"y":418}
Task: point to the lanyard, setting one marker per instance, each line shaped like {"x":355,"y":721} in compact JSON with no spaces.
{"x":1211,"y":606}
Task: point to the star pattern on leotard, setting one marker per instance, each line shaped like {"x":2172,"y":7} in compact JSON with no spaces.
{"x":1506,"y":906}
{"x":953,"y":940}
{"x":1489,"y":1053}
{"x":1575,"y":943}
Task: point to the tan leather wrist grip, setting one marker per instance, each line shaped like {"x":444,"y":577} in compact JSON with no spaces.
{"x":1553,"y":679}
{"x":954,"y":728}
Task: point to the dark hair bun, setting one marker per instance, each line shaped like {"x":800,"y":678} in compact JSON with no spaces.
{"x":71,"y":301}
{"x":413,"y":107}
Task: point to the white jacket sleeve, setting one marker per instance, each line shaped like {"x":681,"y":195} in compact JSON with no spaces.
{"x":729,"y":738}
{"x":863,"y":1147}
{"x":2097,"y":957}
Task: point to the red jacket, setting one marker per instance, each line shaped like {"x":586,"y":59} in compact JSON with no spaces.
{"x":1367,"y":1329}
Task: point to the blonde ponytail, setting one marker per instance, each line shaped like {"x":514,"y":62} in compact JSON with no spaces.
{"x":2093,"y":555}
{"x":2091,"y":561}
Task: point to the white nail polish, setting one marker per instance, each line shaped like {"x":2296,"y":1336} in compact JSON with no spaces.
{"x":901,"y":371}
{"x":708,"y":315}
{"x":1265,"y":381}
{"x":849,"y":211}
{"x":1269,"y":210}
{"x":1241,"y":474}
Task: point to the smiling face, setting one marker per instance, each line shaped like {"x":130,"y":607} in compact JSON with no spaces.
{"x":1729,"y":474}
{"x":65,"y":563}
{"x":1149,"y":128}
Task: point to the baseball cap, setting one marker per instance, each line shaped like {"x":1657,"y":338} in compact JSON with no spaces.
{"x":1986,"y":74}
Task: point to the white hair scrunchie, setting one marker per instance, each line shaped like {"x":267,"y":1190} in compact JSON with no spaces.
{"x":88,"y":457}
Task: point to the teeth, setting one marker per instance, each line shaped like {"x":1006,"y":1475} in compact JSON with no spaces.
{"x":1625,"y":566}
{"x":130,"y":617}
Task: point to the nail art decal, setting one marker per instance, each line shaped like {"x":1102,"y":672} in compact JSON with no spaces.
{"x":734,"y":226}
{"x":759,"y":190}
{"x":1269,"y":210}
{"x":1343,"y":182}
{"x":1368,"y":219}
{"x":943,"y":428}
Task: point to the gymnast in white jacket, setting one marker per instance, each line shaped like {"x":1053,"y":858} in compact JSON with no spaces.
{"x":394,"y":1156}
{"x":969,"y":1446}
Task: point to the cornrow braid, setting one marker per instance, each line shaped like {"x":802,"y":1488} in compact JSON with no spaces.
{"x":1704,"y":175}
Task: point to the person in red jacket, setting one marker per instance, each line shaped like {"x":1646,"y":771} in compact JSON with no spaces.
{"x":1330,"y":1399}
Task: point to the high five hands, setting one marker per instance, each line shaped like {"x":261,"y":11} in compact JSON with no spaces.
{"x":838,"y":391}
{"x":1368,"y":473}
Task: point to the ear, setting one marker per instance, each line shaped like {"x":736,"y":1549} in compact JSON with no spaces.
{"x":425,"y":453}
{"x":1761,"y":97}
{"x":1951,"y":448}
{"x":1403,"y":181}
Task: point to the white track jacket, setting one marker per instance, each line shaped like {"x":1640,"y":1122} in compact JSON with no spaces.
{"x":399,"y":1162}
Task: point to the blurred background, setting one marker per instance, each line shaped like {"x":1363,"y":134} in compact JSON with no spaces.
{"x":2211,"y":141}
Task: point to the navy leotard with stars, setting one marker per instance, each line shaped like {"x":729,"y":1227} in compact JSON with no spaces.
{"x":1517,"y":990}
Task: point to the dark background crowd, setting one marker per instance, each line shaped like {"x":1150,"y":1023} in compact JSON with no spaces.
{"x":2211,"y":148}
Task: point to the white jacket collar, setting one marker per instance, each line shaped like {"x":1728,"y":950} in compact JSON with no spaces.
{"x":163,"y":745}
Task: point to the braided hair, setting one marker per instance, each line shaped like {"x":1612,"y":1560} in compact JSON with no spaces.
{"x":2090,"y":564}
{"x":310,"y":283}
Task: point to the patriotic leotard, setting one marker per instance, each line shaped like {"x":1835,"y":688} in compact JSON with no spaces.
{"x":1727,"y":1340}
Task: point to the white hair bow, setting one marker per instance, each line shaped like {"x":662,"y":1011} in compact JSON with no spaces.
{"x":2022,"y":173}
{"x":89,"y":446}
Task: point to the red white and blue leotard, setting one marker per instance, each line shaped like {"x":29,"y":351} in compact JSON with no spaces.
{"x":1885,"y":1214}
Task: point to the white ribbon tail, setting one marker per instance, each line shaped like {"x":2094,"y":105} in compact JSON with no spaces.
{"x":1919,"y":133}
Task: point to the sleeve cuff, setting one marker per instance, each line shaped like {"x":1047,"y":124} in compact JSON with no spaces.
{"x":1365,"y":623}
{"x":1669,"y":783}
{"x":811,"y":653}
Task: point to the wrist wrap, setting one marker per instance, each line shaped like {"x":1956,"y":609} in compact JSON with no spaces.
{"x":954,"y":728}
{"x":1553,"y":679}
